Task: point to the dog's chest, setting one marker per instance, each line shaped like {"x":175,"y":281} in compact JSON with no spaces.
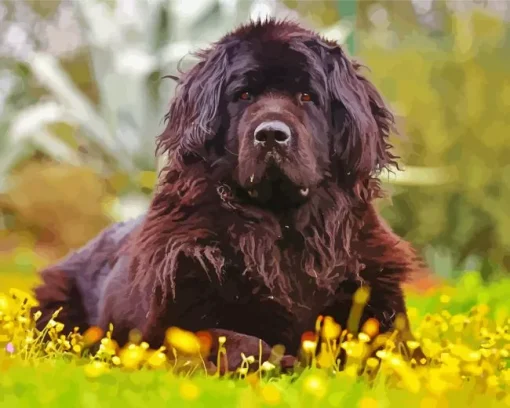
{"x":252,"y":309}
{"x":240,"y":288}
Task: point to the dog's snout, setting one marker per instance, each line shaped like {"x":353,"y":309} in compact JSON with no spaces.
{"x":272,"y":133}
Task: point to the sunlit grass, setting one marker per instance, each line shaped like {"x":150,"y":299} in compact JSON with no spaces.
{"x":463,"y":329}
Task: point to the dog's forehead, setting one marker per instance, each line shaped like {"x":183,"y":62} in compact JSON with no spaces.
{"x":268,"y":58}
{"x":278,"y":64}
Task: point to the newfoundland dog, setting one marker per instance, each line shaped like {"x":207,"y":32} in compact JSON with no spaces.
{"x":264,"y":217}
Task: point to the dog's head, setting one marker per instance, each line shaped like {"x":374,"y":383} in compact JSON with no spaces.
{"x":277,"y":110}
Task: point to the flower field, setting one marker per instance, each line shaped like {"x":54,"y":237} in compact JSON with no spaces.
{"x":78,"y":117}
{"x":464,"y":330}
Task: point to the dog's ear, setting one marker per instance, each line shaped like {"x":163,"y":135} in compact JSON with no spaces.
{"x":361,"y":121}
{"x":193,"y":117}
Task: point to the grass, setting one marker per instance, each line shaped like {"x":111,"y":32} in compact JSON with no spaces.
{"x":464,"y":329}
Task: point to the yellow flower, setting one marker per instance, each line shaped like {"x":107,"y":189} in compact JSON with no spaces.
{"x":482,"y":309}
{"x":407,"y":375}
{"x":315,"y":385}
{"x":4,"y":303}
{"x":51,"y":324}
{"x":445,"y":299}
{"x":271,"y":395}
{"x":157,"y":359}
{"x":371,"y":327}
{"x":330,"y":329}
{"x":108,"y":346}
{"x":309,"y":342}
{"x":95,"y":369}
{"x":372,"y":362}
{"x":492,"y":381}
{"x":436,"y":384}
{"x":354,"y":349}
{"x":325,"y":359}
{"x":22,"y":296}
{"x":413,"y":345}
{"x":132,"y":356}
{"x":50,"y":346}
{"x":92,"y":335}
{"x":351,"y":371}
{"x":465,"y":353}
{"x":368,"y":402}
{"x":412,"y":313}
{"x":183,"y":340}
{"x":189,"y":391}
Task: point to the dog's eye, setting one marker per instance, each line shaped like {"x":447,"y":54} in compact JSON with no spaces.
{"x":305,"y":97}
{"x":246,"y":96}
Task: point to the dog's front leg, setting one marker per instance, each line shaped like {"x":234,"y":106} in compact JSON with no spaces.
{"x":155,"y":324}
{"x":235,"y":343}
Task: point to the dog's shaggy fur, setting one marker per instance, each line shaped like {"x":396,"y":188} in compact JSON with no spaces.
{"x":255,"y":232}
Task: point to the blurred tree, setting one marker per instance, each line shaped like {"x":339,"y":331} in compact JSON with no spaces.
{"x":45,"y":9}
{"x":348,"y":10}
{"x":47,"y":203}
{"x":455,"y":107}
{"x":97,"y":108}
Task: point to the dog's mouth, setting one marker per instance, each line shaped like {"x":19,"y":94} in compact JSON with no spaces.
{"x":275,"y":190}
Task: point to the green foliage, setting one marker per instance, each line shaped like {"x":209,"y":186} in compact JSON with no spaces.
{"x":109,"y":95}
{"x":47,"y":203}
{"x":99,"y":109}
{"x":452,"y":97}
{"x":64,"y":385}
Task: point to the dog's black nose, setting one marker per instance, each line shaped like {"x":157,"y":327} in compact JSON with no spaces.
{"x":272,"y":133}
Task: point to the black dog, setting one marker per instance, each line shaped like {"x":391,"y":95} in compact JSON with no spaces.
{"x":264,"y":217}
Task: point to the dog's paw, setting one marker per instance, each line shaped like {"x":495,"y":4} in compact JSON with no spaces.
{"x":236,"y":343}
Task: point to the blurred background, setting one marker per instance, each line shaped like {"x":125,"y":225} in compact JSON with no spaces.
{"x":82,"y":99}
